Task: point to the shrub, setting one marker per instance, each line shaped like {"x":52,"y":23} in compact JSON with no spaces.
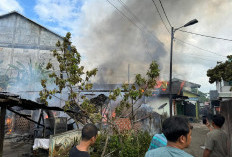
{"x":127,"y":144}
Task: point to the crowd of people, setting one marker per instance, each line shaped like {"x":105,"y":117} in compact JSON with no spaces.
{"x":175,"y":137}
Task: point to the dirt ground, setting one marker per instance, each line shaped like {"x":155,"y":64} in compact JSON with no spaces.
{"x":198,"y":139}
{"x":199,"y":132}
{"x":17,"y":149}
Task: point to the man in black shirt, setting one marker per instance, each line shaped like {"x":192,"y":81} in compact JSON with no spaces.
{"x":89,"y":135}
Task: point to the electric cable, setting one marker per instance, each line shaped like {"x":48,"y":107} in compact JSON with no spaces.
{"x":208,"y":36}
{"x":165,"y":13}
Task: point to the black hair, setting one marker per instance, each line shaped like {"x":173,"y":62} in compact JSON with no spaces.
{"x":218,"y":120}
{"x":174,"y":127}
{"x":89,"y":131}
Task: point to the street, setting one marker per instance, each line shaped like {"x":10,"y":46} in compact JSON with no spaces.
{"x":198,"y":138}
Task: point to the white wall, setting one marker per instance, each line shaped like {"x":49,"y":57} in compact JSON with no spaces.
{"x":156,"y":102}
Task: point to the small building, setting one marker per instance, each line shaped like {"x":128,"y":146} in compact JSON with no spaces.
{"x":224,"y":90}
{"x":185,"y":102}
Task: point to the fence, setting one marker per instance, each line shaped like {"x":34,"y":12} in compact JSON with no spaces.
{"x":60,"y":144}
{"x":226,"y":111}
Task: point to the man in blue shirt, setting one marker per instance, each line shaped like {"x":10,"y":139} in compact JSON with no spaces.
{"x":178,"y":133}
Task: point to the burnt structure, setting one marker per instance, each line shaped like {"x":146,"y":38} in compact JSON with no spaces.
{"x":9,"y":101}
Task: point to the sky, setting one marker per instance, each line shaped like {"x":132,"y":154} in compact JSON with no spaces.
{"x":113,"y":35}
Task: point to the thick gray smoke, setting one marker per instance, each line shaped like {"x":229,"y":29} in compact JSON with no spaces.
{"x":116,"y":42}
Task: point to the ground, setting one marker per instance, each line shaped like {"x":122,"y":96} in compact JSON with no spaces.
{"x":198,"y":139}
{"x":17,"y":149}
{"x":23,"y":149}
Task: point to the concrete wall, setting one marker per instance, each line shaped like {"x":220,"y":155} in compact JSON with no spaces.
{"x":226,"y":111}
{"x":156,"y":102}
{"x":223,"y":89}
{"x":22,"y":40}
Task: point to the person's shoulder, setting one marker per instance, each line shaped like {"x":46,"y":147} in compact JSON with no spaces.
{"x":74,"y":148}
{"x":185,"y":154}
{"x":155,"y":151}
{"x":178,"y":152}
{"x":211,"y":133}
{"x":74,"y":152}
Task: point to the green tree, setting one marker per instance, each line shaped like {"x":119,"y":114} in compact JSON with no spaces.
{"x":70,"y":77}
{"x":222,"y":71}
{"x":28,"y":74}
{"x":142,"y":87}
{"x":73,"y":79}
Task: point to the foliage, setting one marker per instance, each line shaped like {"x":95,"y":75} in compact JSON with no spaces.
{"x":70,"y":77}
{"x":202,"y":96}
{"x":132,"y":93}
{"x":28,"y":74}
{"x":127,"y":144}
{"x":130,"y":144}
{"x":222,"y":71}
{"x":4,"y":81}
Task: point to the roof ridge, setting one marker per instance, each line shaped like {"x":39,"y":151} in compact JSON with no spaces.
{"x":16,"y":12}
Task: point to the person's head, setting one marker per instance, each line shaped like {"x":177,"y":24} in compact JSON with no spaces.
{"x":89,"y":133}
{"x":218,"y":120}
{"x":177,"y":130}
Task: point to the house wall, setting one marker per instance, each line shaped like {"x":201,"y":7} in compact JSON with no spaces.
{"x":226,"y":111}
{"x":22,"y":40}
{"x":156,"y":102}
{"x":223,"y":89}
{"x":192,"y":110}
{"x":190,"y":95}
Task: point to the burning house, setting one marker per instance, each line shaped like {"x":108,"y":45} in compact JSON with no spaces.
{"x":185,"y":102}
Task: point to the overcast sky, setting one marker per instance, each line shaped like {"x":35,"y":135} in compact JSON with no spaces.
{"x":108,"y":40}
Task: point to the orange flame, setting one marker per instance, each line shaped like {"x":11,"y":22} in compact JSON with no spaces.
{"x":9,"y":124}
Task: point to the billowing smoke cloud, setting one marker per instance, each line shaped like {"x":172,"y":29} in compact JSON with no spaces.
{"x":109,"y":41}
{"x":115,"y":41}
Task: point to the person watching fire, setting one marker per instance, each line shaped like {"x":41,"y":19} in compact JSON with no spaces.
{"x":88,"y":135}
{"x":178,"y":132}
{"x":216,"y":144}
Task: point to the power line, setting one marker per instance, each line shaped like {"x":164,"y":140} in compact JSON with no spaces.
{"x":134,"y":23}
{"x":128,"y":9}
{"x":137,"y":19}
{"x":198,"y":55}
{"x":181,"y":41}
{"x":165,"y":13}
{"x":194,"y":56}
{"x":160,"y":16}
{"x":125,"y":15}
{"x":186,"y":31}
{"x":208,"y":36}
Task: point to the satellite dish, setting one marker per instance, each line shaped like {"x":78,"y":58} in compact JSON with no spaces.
{"x":162,"y":106}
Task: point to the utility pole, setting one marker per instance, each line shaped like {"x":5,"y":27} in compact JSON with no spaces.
{"x":192,"y":22}
{"x":170,"y":78}
{"x":128,"y":73}
{"x":2,"y":128}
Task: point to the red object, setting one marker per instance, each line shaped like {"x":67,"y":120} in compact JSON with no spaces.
{"x":123,"y":124}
